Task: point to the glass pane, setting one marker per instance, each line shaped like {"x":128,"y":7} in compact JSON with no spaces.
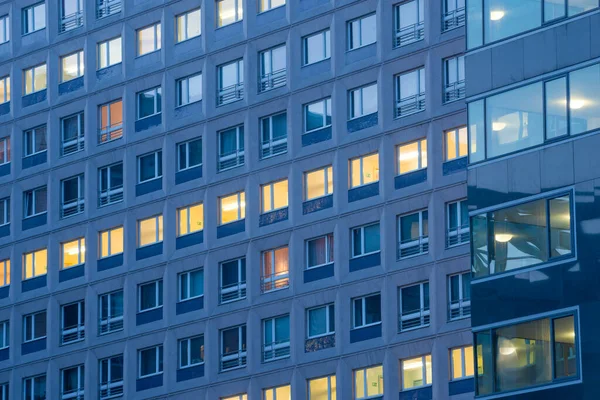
{"x":148,"y":231}
{"x":116,"y":241}
{"x":148,"y":296}
{"x":196,"y":215}
{"x":314,"y":48}
{"x":115,"y":53}
{"x":368,"y":30}
{"x":357,"y":242}
{"x":148,"y":362}
{"x":565,"y":352}
{"x":584,"y":99}
{"x":315,"y":184}
{"x":560,"y":226}
{"x":450,"y":145}
{"x":412,"y":373}
{"x":374,"y":381}
{"x":469,"y":363}
{"x":359,"y":383}
{"x":316,"y":252}
{"x":457,"y":364}
{"x":315,"y":114}
{"x":477,"y":130}
{"x":409,"y":227}
{"x":408,"y":158}
{"x":317,"y":322}
{"x":371,"y":238}
{"x":146,"y":103}
{"x":226,"y":12}
{"x":373,"y":309}
{"x":280,"y":194}
{"x":504,"y":18}
{"x":195,"y":88}
{"x":370,"y":172}
{"x":196,"y":283}
{"x":411,"y":299}
{"x":146,"y":40}
{"x":40,"y":77}
{"x":554,"y":9}
{"x":579,"y":6}
{"x":230,"y":209}
{"x":556,"y":108}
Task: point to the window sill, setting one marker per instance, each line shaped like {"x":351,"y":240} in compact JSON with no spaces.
{"x":190,"y":167}
{"x":317,"y":129}
{"x":190,"y":298}
{"x":191,"y":366}
{"x":148,"y":116}
{"x":360,"y":47}
{"x":316,"y":62}
{"x":188,"y":39}
{"x":366,"y":326}
{"x":148,"y":245}
{"x":415,"y":388}
{"x":229,"y":24}
{"x":150,"y":375}
{"x":365,"y":254}
{"x":187,"y":104}
{"x":148,"y":53}
{"x":108,"y":66}
{"x":320,"y":336}
{"x":149,"y":309}
{"x":32,"y":32}
{"x":319,"y":266}
{"x":271,"y":9}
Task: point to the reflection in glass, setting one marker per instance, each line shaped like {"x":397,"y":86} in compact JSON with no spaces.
{"x":584,"y":99}
{"x":565,"y":352}
{"x":556,"y":108}
{"x":504,"y":18}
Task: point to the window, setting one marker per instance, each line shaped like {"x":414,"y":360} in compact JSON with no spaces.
{"x":461,"y":359}
{"x":71,"y":14}
{"x":111,"y":121}
{"x":150,"y":230}
{"x":316,"y":47}
{"x":34,"y":18}
{"x":320,"y":321}
{"x":188,"y":25}
{"x":414,"y":307}
{"x":4,"y":89}
{"x":4,"y":29}
{"x":72,"y":66}
{"x":410,"y":92}
{"x":412,"y":156}
{"x":278,"y":393}
{"x":366,"y":311}
{"x":73,"y":200}
{"x":272,"y":67}
{"x":459,"y":296}
{"x":34,"y":326}
{"x":229,"y":11}
{"x":191,"y":351}
{"x":4,"y":150}
{"x":364,"y":170}
{"x":191,"y":284}
{"x":232,"y":208}
{"x":73,"y":134}
{"x":454,"y":14}
{"x":365,"y":240}
{"x":191,"y":219}
{"x":276,"y":338}
{"x":111,"y":242}
{"x":231,"y":80}
{"x":34,"y":141}
{"x":531,"y":353}
{"x":318,"y":183}
{"x":4,"y":344}
{"x":150,"y":166}
{"x":236,"y":397}
{"x":456,"y":143}
{"x":273,"y":135}
{"x":35,"y":79}
{"x":368,"y":382}
{"x":149,"y":102}
{"x":4,"y":391}
{"x":266,"y":5}
{"x":73,"y":322}
{"x":110,"y":181}
{"x":233,"y":347}
{"x":35,"y":201}
{"x":72,"y":382}
{"x":149,"y":39}
{"x":416,"y":372}
{"x":275,"y":269}
{"x":111,"y":312}
{"x":5,"y":272}
{"x":151,"y":295}
{"x":233,"y":280}
{"x":189,"y":90}
{"x":4,"y":212}
{"x":110,"y":52}
{"x":111,"y":377}
{"x":150,"y":361}
{"x":454,"y":78}
{"x":362,"y":32}
{"x":322,"y":388}
{"x":73,"y":253}
{"x":457,"y":223}
{"x":189,"y":154}
{"x":319,"y":251}
{"x":106,"y":8}
{"x":317,"y":115}
{"x":35,"y":263}
{"x":519,"y":236}
{"x":274,"y":196}
{"x":34,"y":387}
{"x":231,"y":148}
{"x":363,"y":101}
{"x":413,"y":234}
{"x":409,"y":22}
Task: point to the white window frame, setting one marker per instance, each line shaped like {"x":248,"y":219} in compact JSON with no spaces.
{"x":112,"y":131}
{"x":416,"y":30}
{"x":32,"y":71}
{"x":274,"y":346}
{"x":157,"y":91}
{"x":34,"y":201}
{"x":4,"y":29}
{"x":349,"y":28}
{"x":188,"y":221}
{"x":109,"y":244}
{"x":238,"y":16}
{"x":78,"y":393}
{"x":107,"y":45}
{"x":188,"y":284}
{"x":237,"y":88}
{"x":239,"y":207}
{"x":363,"y":372}
{"x":269,"y":78}
{"x":186,"y":144}
{"x":424,"y":372}
{"x":5,"y":217}
{"x":329,"y":391}
{"x":79,"y":203}
{"x":272,"y":279}
{"x":31,"y":381}
{"x":31,"y":10}
{"x":462,"y":302}
{"x":240,"y":355}
{"x":329,"y":331}
{"x":456,"y":133}
{"x":158,"y":349}
{"x":5,"y":150}
{"x":32,"y":132}
{"x":76,"y":144}
{"x":239,"y":155}
{"x":80,"y":252}
{"x":269,"y":8}
{"x":189,"y":351}
{"x":363,"y":301}
{"x":239,"y":287}
{"x":157,"y":36}
{"x":460,"y":229}
{"x":421,"y":240}
{"x":454,"y":87}
{"x":33,"y":262}
{"x":327,"y":183}
{"x":5,"y":272}
{"x":360,"y":171}
{"x":157,"y":297}
{"x":109,"y":195}
{"x":329,"y":258}
{"x":362,"y":240}
{"x":31,"y":318}
{"x":272,"y":199}
{"x":183,"y":19}
{"x":463,"y":370}
{"x":326,"y":102}
{"x":112,"y":388}
{"x":326,"y":33}
{"x":423,"y":314}
{"x":419,"y":98}
{"x":272,"y":144}
{"x":80,"y":65}
{"x":422,"y":161}
{"x":78,"y":331}
{"x":5,"y":335}
{"x":5,"y":83}
{"x":179,"y":83}
{"x":111,"y":319}
{"x":157,"y":166}
{"x":361,"y":99}
{"x":273,"y":391}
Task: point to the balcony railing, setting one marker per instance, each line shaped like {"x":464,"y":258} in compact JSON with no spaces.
{"x":454,"y":91}
{"x":275,"y":282}
{"x":72,"y":207}
{"x":276,"y":350}
{"x":111,"y":324}
{"x":230,"y":94}
{"x":413,"y":319}
{"x":73,"y":333}
{"x":454,"y":19}
{"x":457,"y":236}
{"x":458,"y":309}
{"x":410,"y":105}
{"x":274,"y":147}
{"x":75,"y":394}
{"x":233,"y":360}
{"x":110,"y":196}
{"x":231,"y":160}
{"x":71,"y":21}
{"x":112,"y":389}
{"x":413,"y":247}
{"x":233,"y":292}
{"x":73,"y":145}
{"x":110,"y":133}
{"x":108,"y":7}
{"x":409,"y":34}
{"x":272,"y":80}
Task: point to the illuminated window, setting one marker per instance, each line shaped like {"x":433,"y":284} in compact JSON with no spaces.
{"x":229,"y":11}
{"x":243,"y":396}
{"x":412,"y":156}
{"x":35,"y":79}
{"x":4,"y":89}
{"x":5,"y":272}
{"x":318,"y":183}
{"x":462,"y":362}
{"x":416,"y":372}
{"x":110,"y":52}
{"x":232,"y":208}
{"x":456,"y":143}
{"x":72,"y":66}
{"x":274,"y":195}
{"x":111,"y":121}
{"x":73,"y":253}
{"x":111,"y":242}
{"x":150,"y":230}
{"x":191,"y":219}
{"x":368,"y":382}
{"x":188,"y":25}
{"x":35,"y":264}
{"x":364,"y":170}
{"x":275,"y":269}
{"x":322,"y":388}
{"x":278,"y":393}
{"x":149,"y":39}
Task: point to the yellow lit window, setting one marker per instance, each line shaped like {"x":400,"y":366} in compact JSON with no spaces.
{"x":35,"y":79}
{"x":73,"y":253}
{"x":236,"y":397}
{"x":149,"y":39}
{"x":111,"y":242}
{"x":5,"y":272}
{"x":274,"y":196}
{"x":35,"y":263}
{"x":462,"y":362}
{"x":456,"y":143}
{"x":318,"y":183}
{"x":412,"y":156}
{"x":368,"y":382}
{"x":191,"y":219}
{"x":278,"y":393}
{"x":322,"y":388}
{"x":150,"y":230}
{"x":233,"y":207}
{"x":72,"y":66}
{"x":416,"y":372}
{"x":364,"y":170}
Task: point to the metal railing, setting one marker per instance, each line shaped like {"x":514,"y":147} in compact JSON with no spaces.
{"x":110,"y":324}
{"x":275,"y":282}
{"x":75,"y":394}
{"x":412,"y":247}
{"x":231,"y":160}
{"x":274,"y":147}
{"x":276,"y":350}
{"x":458,"y":309}
{"x":108,"y":7}
{"x":454,"y":19}
{"x":71,"y":21}
{"x":234,"y":359}
{"x":230,"y":94}
{"x":73,"y":333}
{"x":454,"y":91}
{"x":110,"y":133}
{"x":410,"y":105}
{"x":409,"y":34}
{"x":73,"y":145}
{"x":414,"y":319}
{"x":233,"y":292}
{"x":112,"y":389}
{"x":272,"y":80}
{"x":72,"y":208}
{"x":110,"y":196}
{"x":457,"y":236}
